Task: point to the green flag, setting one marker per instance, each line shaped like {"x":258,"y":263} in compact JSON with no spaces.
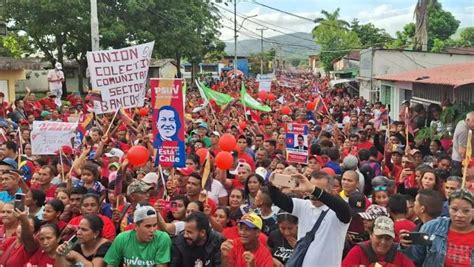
{"x":220,"y":98}
{"x":249,"y":102}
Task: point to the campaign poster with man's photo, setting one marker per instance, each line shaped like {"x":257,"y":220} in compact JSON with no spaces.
{"x":297,"y":143}
{"x":168,"y":122}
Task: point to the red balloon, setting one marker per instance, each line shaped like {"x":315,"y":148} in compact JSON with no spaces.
{"x":202,"y":153}
{"x":262,"y":95}
{"x":224,"y":160}
{"x":227,"y":142}
{"x":310,"y":106}
{"x":242,"y":125}
{"x":285,"y":110}
{"x":271,"y":97}
{"x":138,"y":155}
{"x":143,"y":112}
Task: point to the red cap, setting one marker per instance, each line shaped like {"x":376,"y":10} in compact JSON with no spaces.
{"x":186,"y":171}
{"x":328,"y":171}
{"x":67,"y":150}
{"x":122,"y":128}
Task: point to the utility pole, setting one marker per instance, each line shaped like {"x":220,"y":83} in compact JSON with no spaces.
{"x":235,"y":38}
{"x":94,"y":26}
{"x":261,"y":48}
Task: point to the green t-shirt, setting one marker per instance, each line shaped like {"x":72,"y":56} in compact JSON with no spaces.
{"x":126,"y":249}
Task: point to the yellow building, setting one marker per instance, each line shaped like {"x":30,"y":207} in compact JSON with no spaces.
{"x":11,"y":71}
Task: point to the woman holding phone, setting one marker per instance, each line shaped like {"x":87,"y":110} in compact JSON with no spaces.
{"x":88,"y":247}
{"x":452,"y":239}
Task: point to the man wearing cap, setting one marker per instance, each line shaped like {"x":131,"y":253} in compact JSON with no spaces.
{"x":9,"y":180}
{"x":246,"y":250}
{"x":114,"y":155}
{"x":56,"y":79}
{"x":198,"y":244}
{"x":142,"y":246}
{"x":460,"y":141}
{"x":379,"y":250}
{"x":215,"y":135}
{"x":202,"y":132}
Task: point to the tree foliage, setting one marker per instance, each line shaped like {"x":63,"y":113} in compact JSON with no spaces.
{"x":255,"y":63}
{"x":334,"y":37}
{"x":369,"y":35}
{"x":61,"y":29}
{"x":14,"y":45}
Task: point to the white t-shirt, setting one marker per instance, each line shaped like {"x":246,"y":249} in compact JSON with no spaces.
{"x":55,"y":74}
{"x":326,"y":249}
{"x":217,"y":191}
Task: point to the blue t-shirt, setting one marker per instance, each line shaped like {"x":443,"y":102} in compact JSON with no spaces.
{"x":5,"y":197}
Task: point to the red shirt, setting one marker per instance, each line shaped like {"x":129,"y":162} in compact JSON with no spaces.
{"x":14,"y":256}
{"x":48,"y":102}
{"x":459,"y":250}
{"x":357,"y":257}
{"x":262,"y":256}
{"x":366,"y":145}
{"x":233,"y":233}
{"x":41,"y":258}
{"x":33,"y":107}
{"x":108,"y":231}
{"x":403,"y":224}
{"x":48,"y":192}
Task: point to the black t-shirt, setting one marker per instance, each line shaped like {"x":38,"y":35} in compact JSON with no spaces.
{"x":100,"y":253}
{"x":280,"y":248}
{"x":196,"y":256}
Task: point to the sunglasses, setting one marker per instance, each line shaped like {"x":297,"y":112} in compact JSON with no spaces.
{"x":380,"y":188}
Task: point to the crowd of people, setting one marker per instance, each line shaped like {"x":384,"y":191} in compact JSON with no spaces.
{"x":371,"y":194}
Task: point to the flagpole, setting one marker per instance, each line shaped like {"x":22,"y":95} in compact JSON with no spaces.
{"x":112,"y":122}
{"x":165,"y":193}
{"x":61,"y":162}
{"x":406,"y":129}
{"x":19,"y":148}
{"x":467,"y":158}
{"x":243,"y":101}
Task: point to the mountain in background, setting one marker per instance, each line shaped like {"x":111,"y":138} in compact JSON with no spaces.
{"x":288,"y":46}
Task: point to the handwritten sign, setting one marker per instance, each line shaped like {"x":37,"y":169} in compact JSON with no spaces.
{"x":120,"y":75}
{"x":47,"y":137}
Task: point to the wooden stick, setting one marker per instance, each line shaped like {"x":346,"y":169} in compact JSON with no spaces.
{"x":19,"y":148}
{"x":112,"y":122}
{"x":61,"y":162}
{"x":468,"y":157}
{"x":165,"y":193}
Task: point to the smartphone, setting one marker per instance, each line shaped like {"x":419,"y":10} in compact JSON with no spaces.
{"x":19,"y":201}
{"x":418,"y":238}
{"x":284,"y":180}
{"x":72,"y":242}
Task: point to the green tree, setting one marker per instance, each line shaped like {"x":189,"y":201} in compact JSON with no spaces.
{"x":14,"y":45}
{"x":467,"y":36}
{"x":255,"y":64}
{"x":404,"y":39}
{"x":334,"y":37}
{"x":369,"y":35}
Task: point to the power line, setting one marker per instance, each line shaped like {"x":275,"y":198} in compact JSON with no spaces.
{"x":273,"y":29}
{"x":298,"y":16}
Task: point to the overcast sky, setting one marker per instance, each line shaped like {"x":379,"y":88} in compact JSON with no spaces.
{"x":391,"y":15}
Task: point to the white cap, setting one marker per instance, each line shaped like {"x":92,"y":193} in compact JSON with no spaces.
{"x":151,"y":178}
{"x":262,"y":172}
{"x":114,"y":152}
{"x":142,"y":213}
{"x":58,"y":66}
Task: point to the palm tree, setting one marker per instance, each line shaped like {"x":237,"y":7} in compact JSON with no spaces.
{"x":421,"y":14}
{"x":331,"y":19}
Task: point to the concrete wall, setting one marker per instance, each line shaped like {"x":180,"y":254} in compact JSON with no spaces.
{"x":380,"y":62}
{"x":9,"y":79}
{"x":37,"y":80}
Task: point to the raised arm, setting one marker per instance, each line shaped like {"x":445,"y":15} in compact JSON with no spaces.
{"x":283,"y":201}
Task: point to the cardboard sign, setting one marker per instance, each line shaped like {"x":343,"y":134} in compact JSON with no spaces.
{"x":47,"y":137}
{"x":120,"y":75}
{"x":297,"y":143}
{"x":168,"y":122}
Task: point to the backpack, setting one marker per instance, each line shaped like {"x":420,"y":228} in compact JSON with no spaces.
{"x":370,"y":253}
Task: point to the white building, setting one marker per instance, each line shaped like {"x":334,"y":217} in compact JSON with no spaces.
{"x":378,"y":62}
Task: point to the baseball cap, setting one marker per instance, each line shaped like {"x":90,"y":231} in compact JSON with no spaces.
{"x":350,"y":162}
{"x":317,"y":128}
{"x":45,"y":113}
{"x":216,"y":133}
{"x":186,"y":171}
{"x":383,"y":225}
{"x":114,"y":164}
{"x":58,"y":66}
{"x":311,"y":121}
{"x":398,"y":150}
{"x":382,"y":181}
{"x":252,"y":220}
{"x":357,"y":201}
{"x":9,"y":162}
{"x":151,"y":178}
{"x":262,"y":172}
{"x":114,"y":152}
{"x":142,"y":213}
{"x":373,"y":212}
{"x":137,"y":187}
{"x":202,"y":125}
